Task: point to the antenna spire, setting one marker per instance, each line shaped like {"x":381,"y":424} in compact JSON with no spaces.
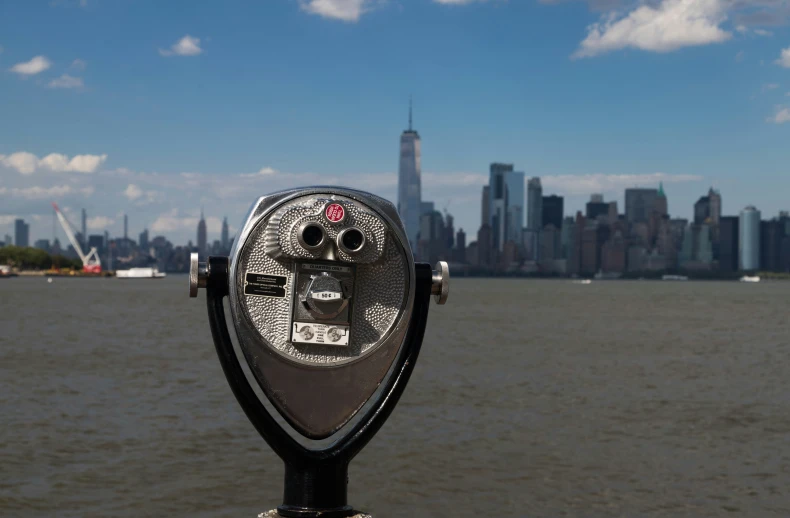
{"x":410,"y":113}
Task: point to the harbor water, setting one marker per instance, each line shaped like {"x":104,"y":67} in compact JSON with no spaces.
{"x":530,"y":398}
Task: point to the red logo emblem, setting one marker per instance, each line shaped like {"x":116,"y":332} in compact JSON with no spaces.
{"x":334,"y":212}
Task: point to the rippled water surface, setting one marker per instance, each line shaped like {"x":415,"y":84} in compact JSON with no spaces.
{"x":531,"y":398}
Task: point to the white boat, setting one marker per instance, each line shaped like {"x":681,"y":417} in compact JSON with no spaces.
{"x":140,"y":273}
{"x":674,"y":278}
{"x":747,"y":278}
{"x":582,"y":281}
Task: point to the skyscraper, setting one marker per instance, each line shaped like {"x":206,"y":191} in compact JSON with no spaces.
{"x":701,"y":210}
{"x":201,"y":236}
{"x":639,"y":203}
{"x":596,"y":207}
{"x":21,"y":233}
{"x":661,"y":205}
{"x":553,"y":207}
{"x":534,"y":204}
{"x":728,"y":246}
{"x":515,"y":205}
{"x":125,"y":227}
{"x":144,"y":240}
{"x":409,"y":183}
{"x":749,"y":239}
{"x":714,"y":206}
{"x":225,"y":239}
{"x":498,"y":192}
{"x":485,"y":206}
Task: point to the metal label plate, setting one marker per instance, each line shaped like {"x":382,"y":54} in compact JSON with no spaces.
{"x":264,"y":285}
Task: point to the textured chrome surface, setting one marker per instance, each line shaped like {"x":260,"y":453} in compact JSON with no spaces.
{"x":383,"y":278}
{"x":440,"y":286}
{"x":280,"y":236}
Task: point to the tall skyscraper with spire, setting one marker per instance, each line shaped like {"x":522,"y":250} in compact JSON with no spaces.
{"x":409,"y":183}
{"x":201,"y":236}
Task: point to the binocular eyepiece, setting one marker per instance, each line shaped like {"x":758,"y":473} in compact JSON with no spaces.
{"x":312,"y":236}
{"x":326,"y":298}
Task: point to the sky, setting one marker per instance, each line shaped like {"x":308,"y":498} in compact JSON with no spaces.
{"x":160,"y":109}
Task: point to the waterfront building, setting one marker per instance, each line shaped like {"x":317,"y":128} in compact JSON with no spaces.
{"x":409,"y":183}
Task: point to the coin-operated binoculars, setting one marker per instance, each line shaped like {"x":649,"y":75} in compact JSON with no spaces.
{"x":329,"y":310}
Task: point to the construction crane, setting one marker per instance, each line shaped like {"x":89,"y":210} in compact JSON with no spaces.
{"x":91,"y":262}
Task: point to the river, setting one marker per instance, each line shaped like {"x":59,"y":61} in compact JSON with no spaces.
{"x":530,"y":398}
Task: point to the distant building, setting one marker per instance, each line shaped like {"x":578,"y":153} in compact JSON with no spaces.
{"x":42,"y":244}
{"x":552,"y":211}
{"x":409,"y":182}
{"x":534,"y":204}
{"x":506,"y":204}
{"x":639,"y":203}
{"x":225,"y":238}
{"x":749,"y":239}
{"x":551,"y":247}
{"x":701,"y":210}
{"x":567,"y":237}
{"x":515,"y":206}
{"x":485,"y":247}
{"x":596,"y":207}
{"x":728,"y":244}
{"x":202,"y":239}
{"x":714,"y":206}
{"x":614,"y":254}
{"x":96,"y":241}
{"x":485,"y":206}
{"x":460,"y":246}
{"x":772,"y":234}
{"x":125,"y":227}
{"x":144,"y":240}
{"x":21,"y":233}
{"x":661,"y":205}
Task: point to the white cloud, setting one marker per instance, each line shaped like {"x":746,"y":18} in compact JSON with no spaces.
{"x":135,"y":193}
{"x":66,"y":81}
{"x":763,"y":32}
{"x":79,"y":64}
{"x":173,"y":221}
{"x":132,"y":192}
{"x":780,"y":116}
{"x":770,"y":86}
{"x":739,"y":56}
{"x":35,"y":66}
{"x":606,"y":183}
{"x":7,"y":219}
{"x":22,"y":161}
{"x":48,"y":193}
{"x":346,"y":10}
{"x":186,"y":46}
{"x":28,"y":163}
{"x":99,"y":222}
{"x":264,"y":171}
{"x":784,"y":58}
{"x":669,"y":26}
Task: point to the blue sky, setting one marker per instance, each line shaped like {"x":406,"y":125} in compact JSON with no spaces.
{"x":170,"y":106}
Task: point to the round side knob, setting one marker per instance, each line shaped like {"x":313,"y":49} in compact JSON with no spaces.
{"x":440,"y":287}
